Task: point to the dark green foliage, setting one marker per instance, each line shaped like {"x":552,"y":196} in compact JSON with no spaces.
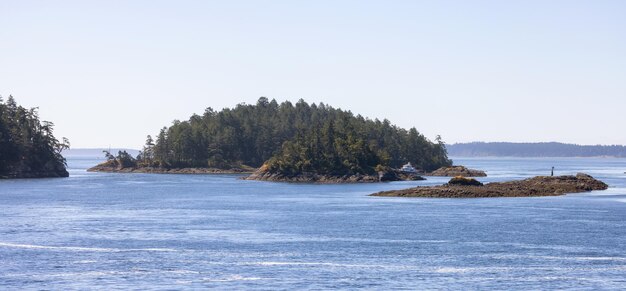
{"x":27,"y":146}
{"x":122,"y":160}
{"x":291,"y":139}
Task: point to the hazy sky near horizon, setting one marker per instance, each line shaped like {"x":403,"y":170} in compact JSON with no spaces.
{"x":108,"y":73}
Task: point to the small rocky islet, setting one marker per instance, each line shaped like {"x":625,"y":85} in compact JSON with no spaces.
{"x":461,"y":187}
{"x":455,"y":171}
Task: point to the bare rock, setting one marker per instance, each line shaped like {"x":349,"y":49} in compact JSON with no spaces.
{"x":537,"y":186}
{"x":463,"y":181}
{"x":454,"y":171}
{"x":263,"y":174}
{"x":109,"y":167}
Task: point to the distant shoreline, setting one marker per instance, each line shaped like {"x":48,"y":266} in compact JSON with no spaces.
{"x":533,"y":157}
{"x":545,"y":149}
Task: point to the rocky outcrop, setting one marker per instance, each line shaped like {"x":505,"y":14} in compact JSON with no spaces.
{"x":454,"y":171}
{"x":51,"y":169}
{"x":537,"y":186}
{"x":312,"y":178}
{"x":462,"y":181}
{"x":115,"y":168}
{"x":395,"y":175}
{"x":308,"y":177}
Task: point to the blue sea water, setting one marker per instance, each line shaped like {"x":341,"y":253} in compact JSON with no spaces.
{"x":151,"y":231}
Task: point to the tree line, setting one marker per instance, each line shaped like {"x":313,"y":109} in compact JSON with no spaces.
{"x":543,"y":149}
{"x":289,"y":138}
{"x":28,"y":147}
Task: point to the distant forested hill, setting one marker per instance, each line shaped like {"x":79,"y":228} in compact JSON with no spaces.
{"x":287,"y":138}
{"x":28,"y":149}
{"x":547,"y":149}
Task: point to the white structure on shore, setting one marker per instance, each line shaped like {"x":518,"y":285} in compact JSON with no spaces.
{"x":408,"y":168}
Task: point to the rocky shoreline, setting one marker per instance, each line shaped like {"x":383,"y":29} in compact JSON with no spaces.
{"x":262,"y":174}
{"x":157,"y":170}
{"x":307,"y":177}
{"x":50,"y":170}
{"x":532,"y":187}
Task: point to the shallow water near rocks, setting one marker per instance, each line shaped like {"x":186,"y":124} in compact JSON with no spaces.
{"x":159,"y":231}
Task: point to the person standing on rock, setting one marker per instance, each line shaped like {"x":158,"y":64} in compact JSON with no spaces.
{"x":552,"y":173}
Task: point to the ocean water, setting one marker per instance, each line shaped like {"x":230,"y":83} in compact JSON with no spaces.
{"x":150,"y":231}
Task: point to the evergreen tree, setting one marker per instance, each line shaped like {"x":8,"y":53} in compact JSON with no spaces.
{"x":28,"y":147}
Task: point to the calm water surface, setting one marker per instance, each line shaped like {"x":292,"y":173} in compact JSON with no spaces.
{"x":147,"y":231}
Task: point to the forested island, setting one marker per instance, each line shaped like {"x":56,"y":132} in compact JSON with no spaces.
{"x":543,"y":149}
{"x":28,"y":148}
{"x":286,"y":142}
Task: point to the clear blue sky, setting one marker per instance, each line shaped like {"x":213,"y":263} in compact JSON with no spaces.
{"x":111,"y":72}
